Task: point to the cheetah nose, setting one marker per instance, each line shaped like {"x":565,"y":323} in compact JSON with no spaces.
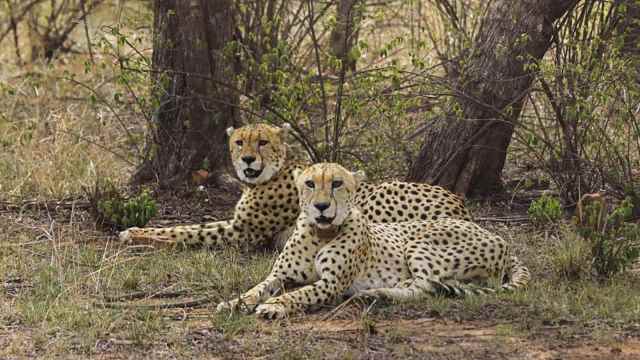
{"x":321,"y":206}
{"x":248,"y":159}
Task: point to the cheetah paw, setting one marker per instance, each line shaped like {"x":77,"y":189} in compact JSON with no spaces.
{"x":271,"y":311}
{"x":139,"y":236}
{"x":227,"y":306}
{"x":127,"y":235}
{"x":245,"y":305}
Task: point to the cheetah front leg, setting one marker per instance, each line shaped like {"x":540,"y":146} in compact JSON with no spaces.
{"x":250,"y":299}
{"x":320,"y":292}
{"x":336,"y":276}
{"x":284,"y":270}
{"x":217,"y":234}
{"x":138,"y":235}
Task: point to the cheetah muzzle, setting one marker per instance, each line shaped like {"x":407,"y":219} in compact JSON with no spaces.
{"x":252,"y":173}
{"x":324,"y":220}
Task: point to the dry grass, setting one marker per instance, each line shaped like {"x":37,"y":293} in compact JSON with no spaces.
{"x":52,"y":147}
{"x":56,"y":268}
{"x":60,"y":125}
{"x":56,"y":275}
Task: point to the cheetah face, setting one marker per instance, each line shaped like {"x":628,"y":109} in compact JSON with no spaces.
{"x":326,"y":191}
{"x":258,"y":151}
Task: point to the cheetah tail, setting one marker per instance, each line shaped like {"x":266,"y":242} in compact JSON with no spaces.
{"x":516,"y":275}
{"x":451,"y":290}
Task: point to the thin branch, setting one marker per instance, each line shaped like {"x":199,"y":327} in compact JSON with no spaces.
{"x":86,"y":30}
{"x":316,"y":48}
{"x":14,"y":28}
{"x":17,"y":18}
{"x":114,"y":153}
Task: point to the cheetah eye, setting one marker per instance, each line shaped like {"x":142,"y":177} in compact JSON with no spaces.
{"x":336,"y":183}
{"x":262,"y":142}
{"x":310,"y":184}
{"x":239,"y":142}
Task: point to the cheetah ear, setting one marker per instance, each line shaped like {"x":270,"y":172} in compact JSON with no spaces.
{"x":230,"y":131}
{"x":296,"y":174}
{"x":360,"y":176}
{"x":285,"y":129}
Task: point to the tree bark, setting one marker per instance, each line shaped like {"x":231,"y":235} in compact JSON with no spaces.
{"x":344,"y":35}
{"x":465,"y":149}
{"x":630,"y":28}
{"x":192,"y":81}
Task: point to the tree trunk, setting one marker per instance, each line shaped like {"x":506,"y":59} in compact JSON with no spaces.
{"x":465,"y":150}
{"x":192,"y":82}
{"x":630,"y":28}
{"x":344,"y":35}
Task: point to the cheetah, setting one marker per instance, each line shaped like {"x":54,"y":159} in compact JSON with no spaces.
{"x":266,"y":213}
{"x":336,"y":251}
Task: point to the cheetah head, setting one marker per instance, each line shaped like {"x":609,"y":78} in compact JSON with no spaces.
{"x":326,"y":193}
{"x":258,"y":151}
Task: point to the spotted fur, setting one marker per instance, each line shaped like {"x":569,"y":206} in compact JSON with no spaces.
{"x":335,"y":250}
{"x":267,"y":211}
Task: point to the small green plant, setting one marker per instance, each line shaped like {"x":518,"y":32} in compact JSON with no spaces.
{"x":131,"y":282}
{"x":633,"y":194}
{"x":571,"y":257}
{"x":614,"y":241}
{"x":545,"y":209}
{"x":120,"y":212}
{"x":124,"y":213}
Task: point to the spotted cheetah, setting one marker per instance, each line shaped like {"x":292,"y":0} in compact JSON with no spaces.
{"x":266,"y":213}
{"x":336,"y":251}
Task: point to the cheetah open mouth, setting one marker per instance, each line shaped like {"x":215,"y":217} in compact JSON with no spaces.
{"x":324,"y":220}
{"x":251,"y":173}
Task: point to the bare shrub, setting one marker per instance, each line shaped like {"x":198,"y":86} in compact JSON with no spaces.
{"x":582,"y":122}
{"x":613,"y":240}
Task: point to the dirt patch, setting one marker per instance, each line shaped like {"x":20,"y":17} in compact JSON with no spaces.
{"x":16,"y":340}
{"x":471,"y":340}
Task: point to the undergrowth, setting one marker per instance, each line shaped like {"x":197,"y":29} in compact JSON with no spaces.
{"x":64,"y":278}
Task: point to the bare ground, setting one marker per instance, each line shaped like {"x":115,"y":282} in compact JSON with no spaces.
{"x":309,"y":337}
{"x":498,"y":328}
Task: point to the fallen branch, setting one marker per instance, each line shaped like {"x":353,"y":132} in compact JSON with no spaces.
{"x":180,"y":304}
{"x":522,"y":218}
{"x":144,"y":295}
{"x":55,"y":204}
